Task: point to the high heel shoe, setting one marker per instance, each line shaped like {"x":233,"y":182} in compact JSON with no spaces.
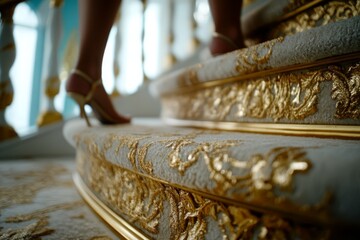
{"x":89,"y":99}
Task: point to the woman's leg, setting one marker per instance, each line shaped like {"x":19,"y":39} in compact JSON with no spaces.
{"x":226,"y":15}
{"x":96,"y":19}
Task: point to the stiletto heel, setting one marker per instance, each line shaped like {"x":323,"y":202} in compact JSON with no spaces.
{"x":82,"y":100}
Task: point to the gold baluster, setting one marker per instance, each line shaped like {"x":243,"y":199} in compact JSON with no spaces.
{"x":7,"y":58}
{"x":195,"y":42}
{"x":116,"y":64}
{"x":52,"y":80}
{"x":171,"y":58}
{"x":144,"y":4}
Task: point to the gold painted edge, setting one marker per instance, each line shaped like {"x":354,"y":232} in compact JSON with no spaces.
{"x":309,"y":130}
{"x":263,"y":73}
{"x":120,"y":225}
{"x":300,"y":9}
{"x":317,"y":219}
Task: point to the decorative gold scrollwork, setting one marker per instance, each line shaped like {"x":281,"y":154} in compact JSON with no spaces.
{"x":137,"y":196}
{"x":346,"y":91}
{"x":326,"y":13}
{"x":284,"y":96}
{"x":144,"y":202}
{"x":249,"y":59}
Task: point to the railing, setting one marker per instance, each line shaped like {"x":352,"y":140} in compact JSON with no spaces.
{"x":186,"y":26}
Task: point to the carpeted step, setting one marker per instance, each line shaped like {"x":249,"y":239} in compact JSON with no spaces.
{"x":309,"y":80}
{"x":154,"y":181}
{"x":263,"y":20}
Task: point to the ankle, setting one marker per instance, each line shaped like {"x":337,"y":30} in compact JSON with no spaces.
{"x":221,"y":44}
{"x":93,"y":70}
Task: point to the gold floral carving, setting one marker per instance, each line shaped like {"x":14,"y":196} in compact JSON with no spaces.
{"x":295,"y":4}
{"x":139,"y":199}
{"x":289,"y":96}
{"x":346,"y":91}
{"x":144,"y":201}
{"x":262,"y":173}
{"x":332,"y":11}
{"x":120,"y":193}
{"x":249,"y":59}
{"x":136,"y":195}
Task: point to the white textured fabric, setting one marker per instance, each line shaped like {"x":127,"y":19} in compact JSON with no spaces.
{"x":322,"y":42}
{"x":329,"y":166}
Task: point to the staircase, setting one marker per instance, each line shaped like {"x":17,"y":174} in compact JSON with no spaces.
{"x":260,"y":143}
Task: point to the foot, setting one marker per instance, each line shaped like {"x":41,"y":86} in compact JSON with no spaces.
{"x":223,"y":44}
{"x":104,"y":109}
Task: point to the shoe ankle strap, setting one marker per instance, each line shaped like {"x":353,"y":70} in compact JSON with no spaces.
{"x":225,"y":38}
{"x":94,"y":84}
{"x":86,"y":77}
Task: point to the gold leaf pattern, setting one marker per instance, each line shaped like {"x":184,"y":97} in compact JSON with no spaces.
{"x":137,"y":196}
{"x":121,"y":194}
{"x":285,"y":96}
{"x":294,"y":4}
{"x":249,"y":59}
{"x":346,"y":92}
{"x":143,"y":201}
{"x":326,"y":13}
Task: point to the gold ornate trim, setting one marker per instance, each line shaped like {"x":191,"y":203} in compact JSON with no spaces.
{"x":115,"y":221}
{"x":330,"y":95}
{"x":187,"y":213}
{"x":315,"y":16}
{"x":309,"y":130}
{"x":297,"y":8}
{"x":257,"y":186}
{"x":217,"y":82}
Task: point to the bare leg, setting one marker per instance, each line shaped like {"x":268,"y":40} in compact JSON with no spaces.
{"x":96,"y":20}
{"x":226,"y":15}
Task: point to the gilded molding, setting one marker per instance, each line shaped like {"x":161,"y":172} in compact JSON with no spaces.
{"x":265,"y":179}
{"x":249,"y":59}
{"x":326,"y":13}
{"x":346,"y":91}
{"x":144,"y":201}
{"x":295,"y":4}
{"x":261,"y":173}
{"x":290,"y":96}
